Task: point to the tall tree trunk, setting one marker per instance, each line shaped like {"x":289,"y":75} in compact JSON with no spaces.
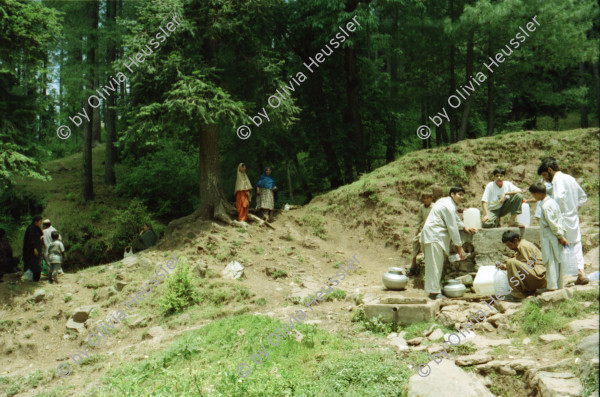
{"x":334,"y":172}
{"x":213,"y":203}
{"x":111,"y":115}
{"x":441,"y":132}
{"x":302,"y":176}
{"x":490,"y":90}
{"x":393,"y":70}
{"x":94,"y":41}
{"x":351,"y":67}
{"x":583,"y":111}
{"x":452,"y":64}
{"x":289,"y":177}
{"x":469,"y":71}
{"x":87,"y":179}
{"x":596,"y":67}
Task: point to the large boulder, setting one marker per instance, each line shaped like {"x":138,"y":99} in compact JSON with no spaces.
{"x":446,"y":380}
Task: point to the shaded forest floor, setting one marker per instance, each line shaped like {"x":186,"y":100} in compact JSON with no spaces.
{"x":200,"y":348}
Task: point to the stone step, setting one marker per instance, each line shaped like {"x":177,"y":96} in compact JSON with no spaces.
{"x":405,"y":313}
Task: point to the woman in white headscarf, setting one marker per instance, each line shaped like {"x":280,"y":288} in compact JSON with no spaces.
{"x":243,"y":192}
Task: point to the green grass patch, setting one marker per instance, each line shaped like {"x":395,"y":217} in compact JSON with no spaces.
{"x":317,"y":222}
{"x":204,"y":362}
{"x":534,"y":320}
{"x":279,"y":274}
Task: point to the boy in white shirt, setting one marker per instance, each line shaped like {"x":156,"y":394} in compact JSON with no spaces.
{"x":500,"y":198}
{"x":552,"y":236}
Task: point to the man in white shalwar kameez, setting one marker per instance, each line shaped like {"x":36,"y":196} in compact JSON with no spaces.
{"x":442,"y":226}
{"x":569,"y":196}
{"x":552,"y":236}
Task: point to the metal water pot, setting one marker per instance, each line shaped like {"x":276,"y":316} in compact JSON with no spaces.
{"x":395,"y":278}
{"x":454,"y":289}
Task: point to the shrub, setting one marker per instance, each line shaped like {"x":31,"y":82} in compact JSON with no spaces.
{"x":375,"y":325}
{"x":128,"y":225}
{"x":279,"y":274}
{"x":166,"y":181}
{"x":179,"y":292}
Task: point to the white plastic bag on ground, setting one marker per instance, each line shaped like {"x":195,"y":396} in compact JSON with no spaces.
{"x":128,"y":252}
{"x":28,"y":276}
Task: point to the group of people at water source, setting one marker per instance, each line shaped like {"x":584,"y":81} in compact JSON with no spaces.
{"x":532,"y":270}
{"x":266,"y":193}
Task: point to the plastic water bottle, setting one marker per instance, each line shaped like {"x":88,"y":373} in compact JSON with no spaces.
{"x":524,"y":218}
{"x":595,"y":276}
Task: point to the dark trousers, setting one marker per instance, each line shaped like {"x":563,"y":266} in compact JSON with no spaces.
{"x":37,"y":276}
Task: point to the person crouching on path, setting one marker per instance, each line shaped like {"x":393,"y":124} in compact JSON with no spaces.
{"x":424,"y":210}
{"x":266,"y":194}
{"x":552,"y":236}
{"x":243,"y":192}
{"x":569,"y":196}
{"x":56,"y":256}
{"x":442,"y":225}
{"x":528,"y":261}
{"x":33,"y":246}
{"x":500,"y":198}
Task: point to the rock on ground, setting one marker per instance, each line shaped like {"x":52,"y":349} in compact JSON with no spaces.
{"x":588,"y":323}
{"x":81,"y":314}
{"x":551,"y":338}
{"x":446,"y":380}
{"x":39,"y":295}
{"x":588,"y":346}
{"x":233,"y":270}
{"x":550,"y":384}
{"x":79,"y":327}
{"x":155,"y":333}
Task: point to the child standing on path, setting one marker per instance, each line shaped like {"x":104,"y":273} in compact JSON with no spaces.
{"x":424,"y":210}
{"x":552,"y":236}
{"x":56,"y":256}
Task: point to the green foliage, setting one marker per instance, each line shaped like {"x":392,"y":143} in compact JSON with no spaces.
{"x":317,"y":222}
{"x":211,"y":354}
{"x":279,"y":274}
{"x":261,"y":301}
{"x":219,"y":293}
{"x":165,"y":180}
{"x":375,"y":325}
{"x":128,"y":225}
{"x":337,"y":294}
{"x":590,"y":383}
{"x":178,"y":292}
{"x":454,"y":167}
{"x":536,"y":321}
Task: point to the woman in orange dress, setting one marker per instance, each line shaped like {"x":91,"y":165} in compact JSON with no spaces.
{"x":243,"y":192}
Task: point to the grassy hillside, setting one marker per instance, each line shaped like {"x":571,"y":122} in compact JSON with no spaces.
{"x":224,"y":321}
{"x":383,"y":203}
